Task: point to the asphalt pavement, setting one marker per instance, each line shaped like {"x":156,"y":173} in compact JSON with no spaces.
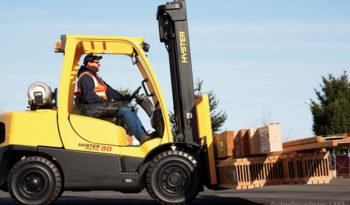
{"x":335,"y":193}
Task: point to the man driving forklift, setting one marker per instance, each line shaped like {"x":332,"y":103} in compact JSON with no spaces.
{"x":96,"y":94}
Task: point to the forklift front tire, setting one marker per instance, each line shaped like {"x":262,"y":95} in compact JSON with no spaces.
{"x":34,"y":180}
{"x":173,"y":178}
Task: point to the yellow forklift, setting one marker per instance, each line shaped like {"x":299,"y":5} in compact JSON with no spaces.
{"x":49,"y":149}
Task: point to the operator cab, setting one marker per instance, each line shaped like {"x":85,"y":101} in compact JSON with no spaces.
{"x":116,"y":129}
{"x":110,"y":108}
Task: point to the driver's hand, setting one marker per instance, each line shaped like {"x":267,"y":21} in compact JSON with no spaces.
{"x":127,"y":97}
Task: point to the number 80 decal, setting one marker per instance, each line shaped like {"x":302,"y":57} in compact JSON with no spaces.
{"x":106,"y":148}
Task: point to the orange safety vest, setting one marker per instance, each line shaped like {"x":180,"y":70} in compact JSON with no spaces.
{"x":100,"y":88}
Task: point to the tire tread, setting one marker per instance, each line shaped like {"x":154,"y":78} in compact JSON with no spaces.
{"x":46,"y":162}
{"x":153,"y":164}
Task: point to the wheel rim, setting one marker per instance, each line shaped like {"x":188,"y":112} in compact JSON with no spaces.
{"x":33,"y":183}
{"x":174,"y":180}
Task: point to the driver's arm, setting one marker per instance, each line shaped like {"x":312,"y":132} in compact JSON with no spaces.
{"x":113,"y":94}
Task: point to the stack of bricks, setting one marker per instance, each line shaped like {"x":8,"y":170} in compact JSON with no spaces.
{"x":253,"y":141}
{"x":248,"y":142}
{"x":270,"y":139}
{"x":224,"y":144}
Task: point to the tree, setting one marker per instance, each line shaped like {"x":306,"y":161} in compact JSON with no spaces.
{"x":264,"y":119}
{"x":217,"y":118}
{"x":332,"y":114}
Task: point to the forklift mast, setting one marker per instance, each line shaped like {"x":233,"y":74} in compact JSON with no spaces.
{"x":173,"y":31}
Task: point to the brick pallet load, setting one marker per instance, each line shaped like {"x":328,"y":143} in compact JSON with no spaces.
{"x":253,"y":141}
{"x":247,"y":142}
{"x":224,"y":144}
{"x":270,"y":139}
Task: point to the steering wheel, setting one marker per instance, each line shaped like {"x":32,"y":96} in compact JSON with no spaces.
{"x":133,"y":95}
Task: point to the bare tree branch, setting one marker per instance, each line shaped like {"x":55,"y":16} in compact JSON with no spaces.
{"x":265,"y":118}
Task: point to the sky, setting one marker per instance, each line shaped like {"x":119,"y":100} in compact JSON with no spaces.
{"x":262,"y":59}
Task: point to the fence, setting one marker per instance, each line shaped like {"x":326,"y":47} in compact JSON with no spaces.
{"x":341,"y":164}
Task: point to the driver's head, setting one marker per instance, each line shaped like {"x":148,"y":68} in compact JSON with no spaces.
{"x":92,"y":62}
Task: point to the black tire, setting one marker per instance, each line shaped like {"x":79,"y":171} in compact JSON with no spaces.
{"x":60,"y":194}
{"x":173,"y":178}
{"x":34,"y":180}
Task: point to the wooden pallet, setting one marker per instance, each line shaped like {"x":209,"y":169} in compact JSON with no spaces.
{"x":307,"y":168}
{"x":316,"y":143}
{"x":275,"y":169}
{"x":247,"y":173}
{"x":315,"y":139}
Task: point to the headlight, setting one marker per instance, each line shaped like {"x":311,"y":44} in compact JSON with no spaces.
{"x":39,"y":95}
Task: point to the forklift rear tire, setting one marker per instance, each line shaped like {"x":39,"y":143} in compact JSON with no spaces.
{"x":173,"y":178}
{"x":34,"y":180}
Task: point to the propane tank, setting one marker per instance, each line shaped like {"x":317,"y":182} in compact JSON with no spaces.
{"x":39,"y":96}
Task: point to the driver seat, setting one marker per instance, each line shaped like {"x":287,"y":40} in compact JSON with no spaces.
{"x":82,"y":121}
{"x":105,"y":111}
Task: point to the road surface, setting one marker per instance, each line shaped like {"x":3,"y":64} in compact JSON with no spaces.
{"x":335,"y":193}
